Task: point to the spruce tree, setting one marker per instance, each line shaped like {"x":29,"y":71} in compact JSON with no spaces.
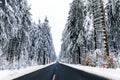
{"x":74,"y":32}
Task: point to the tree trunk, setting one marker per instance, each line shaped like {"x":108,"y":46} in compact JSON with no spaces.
{"x":79,"y":59}
{"x":104,"y":28}
{"x":99,"y":18}
{"x":44,"y":58}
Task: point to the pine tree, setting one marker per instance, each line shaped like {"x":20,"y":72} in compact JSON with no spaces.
{"x":113,"y":19}
{"x":73,"y":37}
{"x":100,"y":31}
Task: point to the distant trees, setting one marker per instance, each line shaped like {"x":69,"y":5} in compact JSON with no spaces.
{"x":47,"y":43}
{"x":22,"y":42}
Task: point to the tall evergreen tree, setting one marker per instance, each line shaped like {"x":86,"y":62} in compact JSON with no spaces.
{"x":74,"y":38}
{"x":113,"y":19}
{"x":48,"y":48}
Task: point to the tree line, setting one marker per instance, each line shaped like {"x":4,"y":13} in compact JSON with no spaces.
{"x":23,"y":42}
{"x":92,"y":33}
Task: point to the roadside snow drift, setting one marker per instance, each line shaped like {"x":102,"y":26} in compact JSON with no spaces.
{"x":112,"y":74}
{"x":12,"y":74}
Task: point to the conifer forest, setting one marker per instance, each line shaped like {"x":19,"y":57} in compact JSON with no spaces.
{"x":91,"y":35}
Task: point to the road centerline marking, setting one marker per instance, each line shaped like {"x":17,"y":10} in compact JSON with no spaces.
{"x":54,"y":77}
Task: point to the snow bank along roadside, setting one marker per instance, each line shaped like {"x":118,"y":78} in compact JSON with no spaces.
{"x":10,"y":75}
{"x":112,"y":74}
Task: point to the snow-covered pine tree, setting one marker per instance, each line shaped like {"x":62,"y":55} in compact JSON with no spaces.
{"x":113,"y":24}
{"x":48,"y":48}
{"x":41,"y":43}
{"x":8,"y":22}
{"x":65,"y":54}
{"x":73,"y":39}
{"x":100,"y":31}
{"x":113,"y":19}
{"x":88,"y":29}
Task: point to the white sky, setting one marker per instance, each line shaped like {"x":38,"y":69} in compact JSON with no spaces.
{"x":57,"y":13}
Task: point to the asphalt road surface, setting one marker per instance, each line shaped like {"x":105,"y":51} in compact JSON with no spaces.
{"x":60,"y":72}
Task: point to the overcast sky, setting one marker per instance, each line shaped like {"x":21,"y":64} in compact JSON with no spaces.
{"x":57,"y":13}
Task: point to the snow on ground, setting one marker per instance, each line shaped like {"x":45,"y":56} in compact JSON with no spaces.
{"x":12,"y":74}
{"x":112,"y":74}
